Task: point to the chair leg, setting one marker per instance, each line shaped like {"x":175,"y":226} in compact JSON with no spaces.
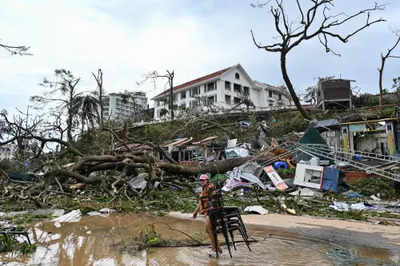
{"x":216,"y":244}
{"x":233,"y":239}
{"x":225,"y":233}
{"x":244,"y":236}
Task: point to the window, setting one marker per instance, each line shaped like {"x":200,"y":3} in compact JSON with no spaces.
{"x":211,"y":99}
{"x":279,"y":97}
{"x":194,"y":103}
{"x":236,"y":100}
{"x":227,"y":99}
{"x":237,"y":76}
{"x":194,"y":91}
{"x":246,"y":91}
{"x":237,"y":88}
{"x":270,"y":94}
{"x":183,"y":95}
{"x":227,"y":85}
{"x":211,"y":86}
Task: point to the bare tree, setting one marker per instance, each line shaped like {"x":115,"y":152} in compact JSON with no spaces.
{"x":16,"y":50}
{"x":315,"y":22}
{"x":100,"y":94}
{"x":170,"y":76}
{"x":66,"y":85}
{"x":383,"y":61}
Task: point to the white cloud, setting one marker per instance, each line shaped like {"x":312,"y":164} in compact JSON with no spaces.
{"x":128,"y":39}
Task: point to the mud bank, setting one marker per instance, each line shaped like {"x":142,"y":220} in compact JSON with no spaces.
{"x":365,"y":236}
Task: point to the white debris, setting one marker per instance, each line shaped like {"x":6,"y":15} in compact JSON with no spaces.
{"x":256,"y":208}
{"x":306,"y":192}
{"x":107,"y":210}
{"x":71,"y":217}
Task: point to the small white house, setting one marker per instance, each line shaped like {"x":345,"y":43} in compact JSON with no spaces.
{"x":223,"y":89}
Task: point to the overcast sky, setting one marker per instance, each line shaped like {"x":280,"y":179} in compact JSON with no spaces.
{"x":128,"y":39}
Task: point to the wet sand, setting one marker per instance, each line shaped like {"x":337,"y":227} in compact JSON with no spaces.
{"x":281,"y":240}
{"x":330,"y":230}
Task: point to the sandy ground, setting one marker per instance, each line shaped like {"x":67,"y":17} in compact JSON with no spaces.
{"x":337,"y":231}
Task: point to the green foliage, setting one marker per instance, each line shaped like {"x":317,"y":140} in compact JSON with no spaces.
{"x":9,"y":244}
{"x":287,"y":122}
{"x":171,"y":201}
{"x":373,"y":186}
{"x":10,"y":166}
{"x":150,"y":238}
{"x":286,"y":173}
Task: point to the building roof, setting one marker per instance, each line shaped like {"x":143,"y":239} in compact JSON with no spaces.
{"x":195,"y":81}
{"x":281,"y":89}
{"x":325,"y":123}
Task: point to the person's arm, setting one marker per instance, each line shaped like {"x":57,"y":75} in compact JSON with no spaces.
{"x":196,"y":211}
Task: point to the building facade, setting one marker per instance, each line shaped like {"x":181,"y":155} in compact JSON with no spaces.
{"x":224,"y":89}
{"x":121,"y":106}
{"x":334,"y":93}
{"x":7,"y":151}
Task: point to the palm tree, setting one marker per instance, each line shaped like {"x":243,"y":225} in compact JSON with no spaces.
{"x":87,"y":110}
{"x":66,"y":85}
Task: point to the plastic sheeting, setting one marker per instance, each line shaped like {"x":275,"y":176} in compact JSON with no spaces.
{"x":257,"y":209}
{"x":236,"y":153}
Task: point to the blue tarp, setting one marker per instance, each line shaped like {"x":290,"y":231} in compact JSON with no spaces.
{"x":330,"y":179}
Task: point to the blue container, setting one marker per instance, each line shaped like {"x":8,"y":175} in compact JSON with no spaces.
{"x":280,"y":165}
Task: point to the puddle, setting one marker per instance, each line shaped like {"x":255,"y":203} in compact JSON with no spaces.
{"x":96,"y":240}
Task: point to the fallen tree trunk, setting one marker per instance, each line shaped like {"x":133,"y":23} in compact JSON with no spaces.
{"x":217,"y":167}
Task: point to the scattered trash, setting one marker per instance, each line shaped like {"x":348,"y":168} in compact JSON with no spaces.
{"x":375,"y":198}
{"x":307,"y":192}
{"x":245,"y":124}
{"x":138,"y":183}
{"x":231,"y":143}
{"x":256,"y":209}
{"x":352,"y":194}
{"x":22,"y":177}
{"x":236,"y":153}
{"x":232,"y":184}
{"x":107,"y":210}
{"x":275,"y":178}
{"x":71,"y":217}
{"x":280,"y":165}
{"x":343,"y":206}
{"x":77,"y":186}
{"x":330,"y":179}
{"x":285,"y":208}
{"x":308,"y":176}
{"x":242,"y":178}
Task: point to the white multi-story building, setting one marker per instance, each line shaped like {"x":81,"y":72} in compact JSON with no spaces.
{"x":224,"y":89}
{"x":7,"y":151}
{"x":124,"y":105}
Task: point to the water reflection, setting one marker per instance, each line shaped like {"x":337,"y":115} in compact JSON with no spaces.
{"x":96,"y":240}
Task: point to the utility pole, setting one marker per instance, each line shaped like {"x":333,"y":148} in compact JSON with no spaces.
{"x":171,"y":92}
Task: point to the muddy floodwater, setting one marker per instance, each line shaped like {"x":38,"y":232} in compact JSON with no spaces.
{"x":98,"y":240}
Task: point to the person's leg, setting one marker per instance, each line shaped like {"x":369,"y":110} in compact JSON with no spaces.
{"x":211,"y":235}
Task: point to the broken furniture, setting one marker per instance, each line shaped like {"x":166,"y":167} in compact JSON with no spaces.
{"x":309,"y":176}
{"x":228,"y":220}
{"x":275,"y":178}
{"x":318,"y":177}
{"x":225,"y":220}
